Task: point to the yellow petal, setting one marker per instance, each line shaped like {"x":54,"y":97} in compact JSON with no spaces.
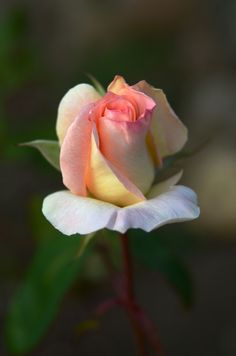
{"x":117,"y":84}
{"x":106,"y":183}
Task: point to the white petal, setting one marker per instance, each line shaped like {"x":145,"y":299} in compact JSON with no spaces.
{"x":72,"y":214}
{"x":168,"y":131}
{"x":176,"y":205}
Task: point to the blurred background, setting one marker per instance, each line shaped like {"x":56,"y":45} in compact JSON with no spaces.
{"x":185,"y":47}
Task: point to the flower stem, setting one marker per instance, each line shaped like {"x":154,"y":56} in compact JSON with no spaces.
{"x":128,"y":268}
{"x":142,"y":326}
{"x":130,"y":296}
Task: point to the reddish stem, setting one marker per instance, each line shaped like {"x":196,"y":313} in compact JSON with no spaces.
{"x":142,"y":326}
{"x":128,"y":270}
{"x":129,"y":295}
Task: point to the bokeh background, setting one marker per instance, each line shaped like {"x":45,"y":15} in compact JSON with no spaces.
{"x":186,"y":47}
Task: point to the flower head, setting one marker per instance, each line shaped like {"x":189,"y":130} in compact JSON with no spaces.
{"x":111,"y":146}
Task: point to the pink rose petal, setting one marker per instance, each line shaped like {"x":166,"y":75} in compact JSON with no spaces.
{"x":71,"y":104}
{"x":75,"y":151}
{"x":124,"y":145}
{"x":106,"y":182}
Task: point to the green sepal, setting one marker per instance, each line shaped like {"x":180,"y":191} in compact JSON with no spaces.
{"x":98,"y":86}
{"x":48,"y":148}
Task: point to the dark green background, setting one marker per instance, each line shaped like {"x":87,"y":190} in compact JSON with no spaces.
{"x":187,"y":48}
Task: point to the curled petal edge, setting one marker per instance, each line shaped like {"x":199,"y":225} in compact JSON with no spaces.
{"x":76,"y":140}
{"x":170,"y":134}
{"x":72,"y":214}
{"x":71,"y":105}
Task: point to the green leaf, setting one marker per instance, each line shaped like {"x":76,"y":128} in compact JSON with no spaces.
{"x":49,"y":149}
{"x":151,"y":251}
{"x":98,"y":86}
{"x":54,"y":269}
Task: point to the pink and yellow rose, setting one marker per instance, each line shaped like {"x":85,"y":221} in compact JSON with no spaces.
{"x":111,"y":146}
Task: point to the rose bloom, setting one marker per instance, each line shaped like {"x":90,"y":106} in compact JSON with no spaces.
{"x":111,"y":147}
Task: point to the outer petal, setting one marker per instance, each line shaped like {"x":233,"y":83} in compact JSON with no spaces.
{"x":72,"y":214}
{"x":75,"y":151}
{"x":71,"y":104}
{"x":106,"y":182}
{"x":176,"y":205}
{"x":168,"y":131}
{"x":124,"y":145}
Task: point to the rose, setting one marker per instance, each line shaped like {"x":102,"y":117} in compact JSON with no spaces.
{"x":110,"y":148}
{"x":115,"y":165}
{"x":113,"y":135}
